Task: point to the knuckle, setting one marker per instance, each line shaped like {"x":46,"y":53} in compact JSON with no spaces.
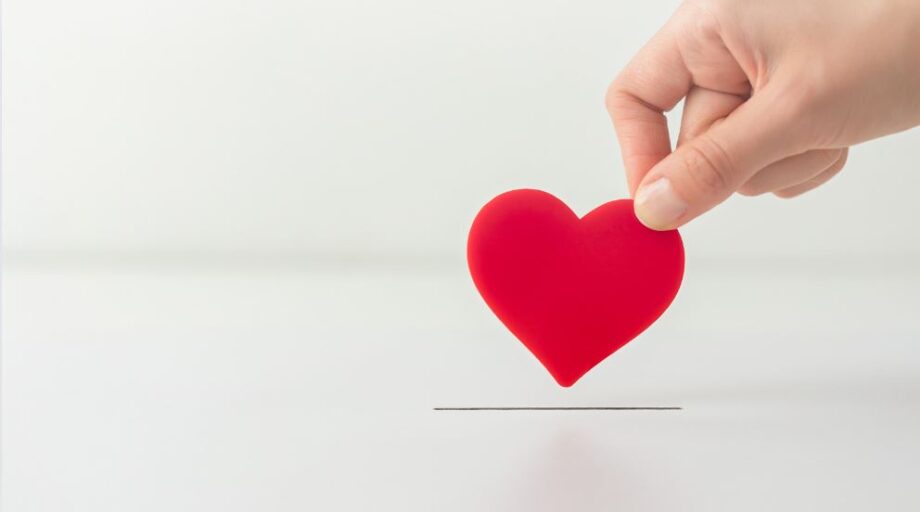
{"x":706,"y":9}
{"x":709,"y":166}
{"x":786,"y":194}
{"x":615,"y":99}
{"x":750,"y":191}
{"x":830,"y":157}
{"x":610,"y":97}
{"x":831,"y":171}
{"x":842,"y":161}
{"x":702,"y":18}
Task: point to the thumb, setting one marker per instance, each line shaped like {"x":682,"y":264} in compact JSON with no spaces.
{"x":708,"y":169}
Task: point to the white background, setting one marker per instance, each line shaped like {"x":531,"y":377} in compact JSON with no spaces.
{"x":234,"y":280}
{"x":362,"y":129}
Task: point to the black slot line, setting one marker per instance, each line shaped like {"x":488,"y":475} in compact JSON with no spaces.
{"x":652,"y":408}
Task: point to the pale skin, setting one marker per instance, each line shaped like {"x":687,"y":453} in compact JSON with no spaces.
{"x":775,"y":94}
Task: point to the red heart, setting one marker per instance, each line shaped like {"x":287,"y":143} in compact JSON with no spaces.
{"x":572,"y":290}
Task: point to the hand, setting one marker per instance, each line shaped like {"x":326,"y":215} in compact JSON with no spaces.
{"x":775,"y":94}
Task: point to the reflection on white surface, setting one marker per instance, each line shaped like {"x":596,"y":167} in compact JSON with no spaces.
{"x":149,"y":387}
{"x":571,"y":470}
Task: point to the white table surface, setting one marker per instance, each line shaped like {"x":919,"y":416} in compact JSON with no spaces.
{"x":283,"y":387}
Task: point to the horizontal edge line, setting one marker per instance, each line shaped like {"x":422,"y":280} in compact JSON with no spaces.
{"x":558,"y":408}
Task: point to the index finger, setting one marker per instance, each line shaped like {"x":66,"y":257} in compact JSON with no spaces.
{"x":653,"y":82}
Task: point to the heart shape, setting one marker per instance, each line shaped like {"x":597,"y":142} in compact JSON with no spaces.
{"x":572,"y":290}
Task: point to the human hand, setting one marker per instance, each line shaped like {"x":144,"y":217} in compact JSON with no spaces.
{"x":775,"y":94}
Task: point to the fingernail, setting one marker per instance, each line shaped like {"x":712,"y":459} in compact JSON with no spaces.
{"x":658,"y":206}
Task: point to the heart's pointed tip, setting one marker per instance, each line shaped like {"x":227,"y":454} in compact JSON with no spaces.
{"x":566,"y":381}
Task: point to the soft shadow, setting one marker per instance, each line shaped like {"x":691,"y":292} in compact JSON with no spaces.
{"x":575,"y":469}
